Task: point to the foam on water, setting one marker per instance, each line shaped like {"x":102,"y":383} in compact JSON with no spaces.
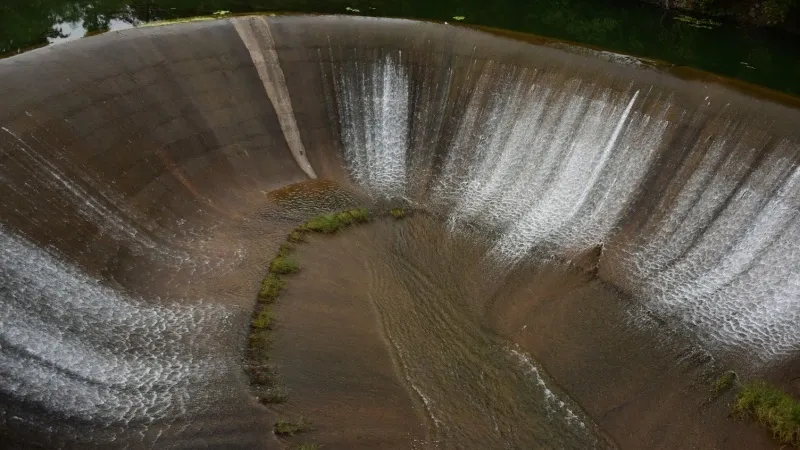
{"x":556,"y":163}
{"x":724,"y":261}
{"x":87,"y":351}
{"x":375,"y":98}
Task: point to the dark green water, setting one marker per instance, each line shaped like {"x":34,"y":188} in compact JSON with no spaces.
{"x":765,"y":57}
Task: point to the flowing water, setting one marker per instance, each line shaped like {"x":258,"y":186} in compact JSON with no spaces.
{"x":554,"y":162}
{"x":127,"y":272}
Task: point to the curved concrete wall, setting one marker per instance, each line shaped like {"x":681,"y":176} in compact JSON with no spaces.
{"x":140,"y":159}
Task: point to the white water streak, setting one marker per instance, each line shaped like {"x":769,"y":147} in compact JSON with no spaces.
{"x":555,"y":163}
{"x":87,"y":351}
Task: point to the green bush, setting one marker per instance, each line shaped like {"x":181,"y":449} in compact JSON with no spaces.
{"x":285,"y":249}
{"x":296,"y":236}
{"x":324,"y":224}
{"x":725,"y":382}
{"x":284,"y":265}
{"x":331,"y":223}
{"x":398,"y":213}
{"x":773,"y":408}
{"x":271,"y":287}
{"x":263,"y":319}
{"x":360,"y":215}
{"x":344,"y":218}
{"x":285,"y":427}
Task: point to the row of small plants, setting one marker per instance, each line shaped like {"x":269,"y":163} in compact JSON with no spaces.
{"x":283,"y":265}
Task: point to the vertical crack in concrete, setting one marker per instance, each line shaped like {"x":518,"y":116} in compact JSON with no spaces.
{"x":257,"y":37}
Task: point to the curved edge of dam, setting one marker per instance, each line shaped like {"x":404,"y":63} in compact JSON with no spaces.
{"x":136,"y":226}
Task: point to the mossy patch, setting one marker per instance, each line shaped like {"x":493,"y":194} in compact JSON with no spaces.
{"x":772,"y":407}
{"x":323,"y":224}
{"x":331,"y":223}
{"x":263,"y":319}
{"x":271,"y":287}
{"x":284,"y":265}
{"x":724,"y":382}
{"x":296,"y":236}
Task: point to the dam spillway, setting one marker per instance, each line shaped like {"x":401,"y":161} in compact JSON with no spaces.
{"x":136,"y":222}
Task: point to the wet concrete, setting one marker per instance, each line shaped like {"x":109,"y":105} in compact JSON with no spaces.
{"x":154,"y":160}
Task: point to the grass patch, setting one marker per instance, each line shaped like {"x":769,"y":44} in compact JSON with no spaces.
{"x":296,"y":236}
{"x":725,"y":382}
{"x":772,"y":407}
{"x":286,"y":427}
{"x":285,"y":249}
{"x":269,"y":391}
{"x":345,"y":218}
{"x":331,"y":223}
{"x":263,"y":319}
{"x":360,"y":215}
{"x":271,"y":287}
{"x":284,"y":265}
{"x":324,"y":224}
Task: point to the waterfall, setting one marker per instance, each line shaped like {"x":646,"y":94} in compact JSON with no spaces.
{"x":553,"y":161}
{"x":87,"y":351}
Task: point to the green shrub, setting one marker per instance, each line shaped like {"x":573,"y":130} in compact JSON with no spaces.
{"x":263,"y":319}
{"x":296,"y":235}
{"x":271,"y":287}
{"x":773,"y":408}
{"x":331,"y":223}
{"x":324,"y":224}
{"x":360,"y":215}
{"x":344,"y":218}
{"x":725,"y":382}
{"x":284,"y":265}
{"x":285,"y":249}
{"x":398,"y":213}
{"x":285,"y":427}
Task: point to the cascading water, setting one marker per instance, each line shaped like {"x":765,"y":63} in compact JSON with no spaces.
{"x":155,"y":177}
{"x":556,"y":164}
{"x":85,"y":351}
